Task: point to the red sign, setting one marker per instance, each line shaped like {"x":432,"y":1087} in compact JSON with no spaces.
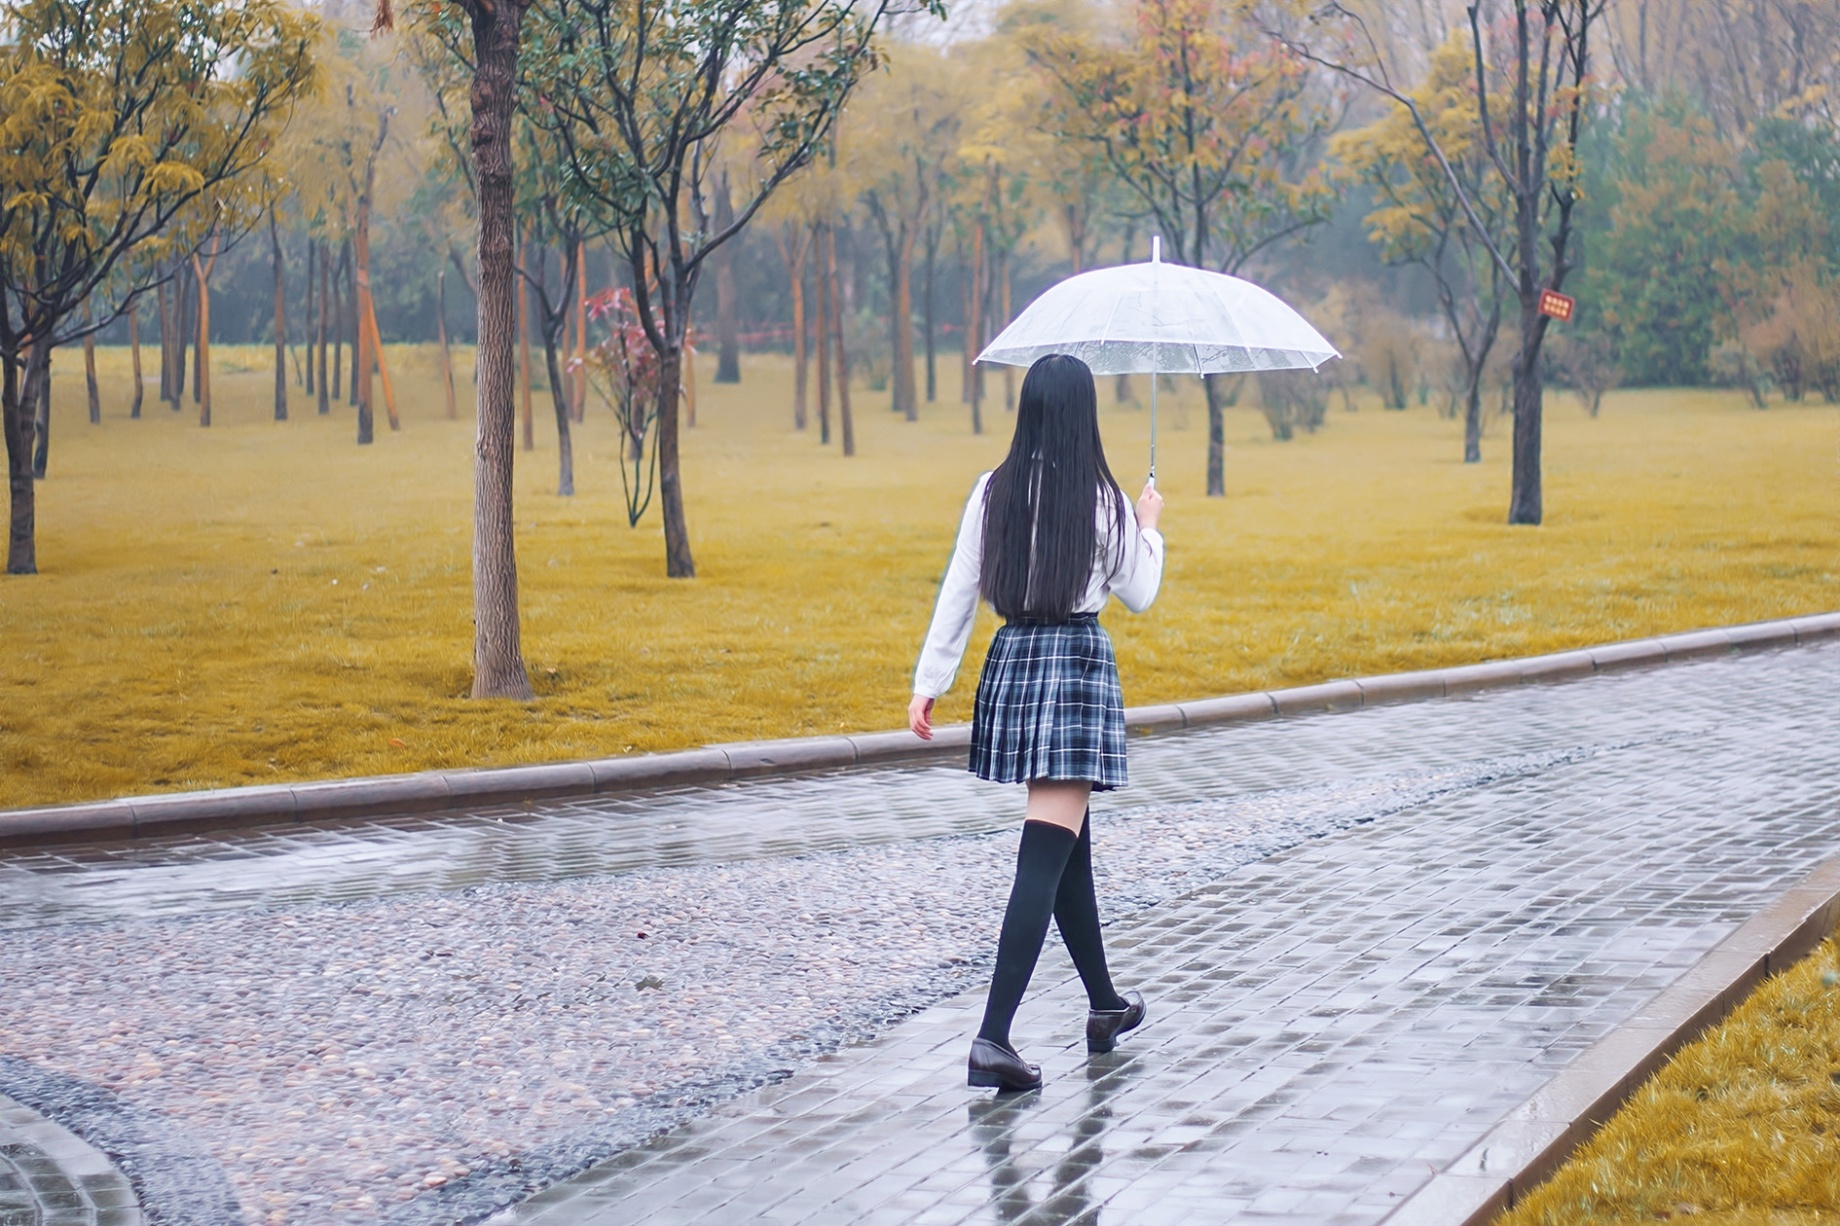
{"x":1557,"y":305}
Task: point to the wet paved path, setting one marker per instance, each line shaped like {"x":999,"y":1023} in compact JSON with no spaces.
{"x":1373,"y":934}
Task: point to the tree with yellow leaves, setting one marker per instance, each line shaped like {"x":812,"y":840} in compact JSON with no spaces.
{"x":1420,"y":220}
{"x":130,"y":131}
{"x":1208,"y":124}
{"x":1535,"y":55}
{"x":900,"y":132}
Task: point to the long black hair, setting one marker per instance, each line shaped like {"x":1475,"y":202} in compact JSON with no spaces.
{"x":1041,"y":508}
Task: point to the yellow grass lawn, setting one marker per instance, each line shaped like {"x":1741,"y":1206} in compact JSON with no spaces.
{"x":259,"y":601}
{"x":1738,"y":1130}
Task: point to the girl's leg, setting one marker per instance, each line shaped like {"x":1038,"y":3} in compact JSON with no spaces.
{"x":1076,"y":914}
{"x":1055,"y":811}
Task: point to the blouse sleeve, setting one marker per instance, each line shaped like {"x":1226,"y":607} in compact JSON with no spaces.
{"x":957,"y":608}
{"x":1140,"y":567}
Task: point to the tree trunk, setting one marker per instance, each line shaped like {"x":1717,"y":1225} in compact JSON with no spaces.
{"x":18,"y":406}
{"x":974,"y":332}
{"x":312,"y":341}
{"x":338,"y":323}
{"x":440,"y":323}
{"x":795,"y":267}
{"x":728,"y":341}
{"x":40,"y":407}
{"x":321,"y":327}
{"x":1217,"y":438}
{"x":185,"y":324}
{"x":281,"y":394}
{"x":844,"y":418}
{"x":565,"y":447}
{"x":926,"y":317}
{"x":164,"y":310}
{"x":967,"y":311}
{"x":89,"y":367}
{"x":134,"y":356}
{"x":578,"y":378}
{"x":1524,"y":504}
{"x":906,"y":401}
{"x":498,"y":657}
{"x":201,"y":377}
{"x":690,"y":386}
{"x":825,"y":293}
{"x":201,"y":329}
{"x":523,"y":327}
{"x":678,"y":564}
{"x":365,"y":352}
{"x":353,"y":324}
{"x":1009,"y":372}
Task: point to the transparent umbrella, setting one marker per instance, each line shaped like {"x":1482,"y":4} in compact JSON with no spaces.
{"x":1156,"y":318}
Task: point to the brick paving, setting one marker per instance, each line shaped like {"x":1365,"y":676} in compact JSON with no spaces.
{"x":1330,"y":1023}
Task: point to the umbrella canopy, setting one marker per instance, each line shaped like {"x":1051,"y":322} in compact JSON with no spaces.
{"x":1161,"y":318}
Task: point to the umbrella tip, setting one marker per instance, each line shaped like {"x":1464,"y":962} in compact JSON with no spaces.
{"x":1156,"y":249}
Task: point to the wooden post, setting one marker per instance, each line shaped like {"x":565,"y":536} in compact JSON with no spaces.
{"x":374,"y":340}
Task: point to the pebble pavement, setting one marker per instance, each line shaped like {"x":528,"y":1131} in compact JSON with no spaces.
{"x":358,"y":1045}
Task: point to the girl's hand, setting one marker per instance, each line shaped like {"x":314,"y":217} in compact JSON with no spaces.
{"x":920,"y":717}
{"x":1149,"y":507}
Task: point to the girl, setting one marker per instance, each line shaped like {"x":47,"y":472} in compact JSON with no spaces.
{"x":1045,"y":538}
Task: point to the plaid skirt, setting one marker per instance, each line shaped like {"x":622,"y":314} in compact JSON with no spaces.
{"x":1049,"y":706}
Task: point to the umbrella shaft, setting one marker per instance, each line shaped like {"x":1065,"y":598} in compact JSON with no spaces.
{"x":1153,"y":427}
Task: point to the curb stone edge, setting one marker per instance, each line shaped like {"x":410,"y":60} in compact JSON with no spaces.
{"x":1539,"y":1136}
{"x":321,"y":800}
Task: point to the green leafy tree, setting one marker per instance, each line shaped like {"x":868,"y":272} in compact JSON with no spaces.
{"x":130,"y":132}
{"x":1673,"y":209}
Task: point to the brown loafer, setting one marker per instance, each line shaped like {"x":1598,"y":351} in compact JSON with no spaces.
{"x":1103,"y":1026}
{"x":993,"y":1065}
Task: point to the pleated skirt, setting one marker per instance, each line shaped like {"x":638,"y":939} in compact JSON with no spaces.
{"x":1049,"y":706}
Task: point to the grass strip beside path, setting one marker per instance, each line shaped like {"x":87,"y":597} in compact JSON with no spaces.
{"x":1742,"y":1128}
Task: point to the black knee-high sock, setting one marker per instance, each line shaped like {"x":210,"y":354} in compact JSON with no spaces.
{"x":1076,"y":914}
{"x":1039,"y":861}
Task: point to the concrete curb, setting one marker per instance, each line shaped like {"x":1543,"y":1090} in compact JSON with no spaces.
{"x":1524,"y":1150}
{"x":175,"y":812}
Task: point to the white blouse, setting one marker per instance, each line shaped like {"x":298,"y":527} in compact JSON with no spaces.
{"x":1133,"y":571}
